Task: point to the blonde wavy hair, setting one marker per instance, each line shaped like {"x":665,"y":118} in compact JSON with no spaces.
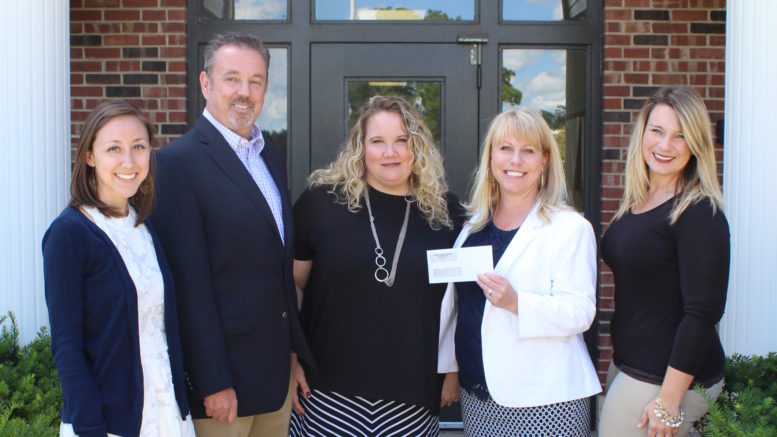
{"x":345,"y":175}
{"x":698,"y":180}
{"x":524,"y":125}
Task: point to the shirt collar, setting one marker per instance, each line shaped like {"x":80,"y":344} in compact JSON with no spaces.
{"x":233,"y":139}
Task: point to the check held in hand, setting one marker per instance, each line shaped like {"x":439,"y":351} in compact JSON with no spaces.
{"x":458,"y":265}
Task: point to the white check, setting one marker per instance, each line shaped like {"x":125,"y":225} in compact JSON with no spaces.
{"x":458,"y":265}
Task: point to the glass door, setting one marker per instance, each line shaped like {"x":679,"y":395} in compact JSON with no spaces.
{"x":437,"y":78}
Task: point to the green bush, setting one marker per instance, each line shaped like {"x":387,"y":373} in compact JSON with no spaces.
{"x":30,"y":394}
{"x":746,"y":406}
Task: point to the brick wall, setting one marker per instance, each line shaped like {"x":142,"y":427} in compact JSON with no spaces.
{"x":131,"y":49}
{"x":649,"y":44}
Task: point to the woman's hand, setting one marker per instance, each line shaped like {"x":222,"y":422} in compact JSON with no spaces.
{"x":656,"y":428}
{"x":498,"y":291}
{"x":299,"y":381}
{"x":450,"y":389}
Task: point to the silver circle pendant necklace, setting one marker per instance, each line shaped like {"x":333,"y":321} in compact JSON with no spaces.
{"x":381,"y":274}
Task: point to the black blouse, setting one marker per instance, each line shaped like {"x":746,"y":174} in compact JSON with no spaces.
{"x":368,"y":339}
{"x":670,"y":291}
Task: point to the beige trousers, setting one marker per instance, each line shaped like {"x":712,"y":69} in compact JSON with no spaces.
{"x":626,"y":399}
{"x":274,"y":423}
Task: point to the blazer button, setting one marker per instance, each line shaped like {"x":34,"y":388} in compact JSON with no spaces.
{"x":285,"y":315}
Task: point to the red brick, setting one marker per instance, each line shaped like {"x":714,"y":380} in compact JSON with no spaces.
{"x":176,"y":40}
{"x":122,"y":15}
{"x":86,"y":15}
{"x":86,"y":91}
{"x":79,"y":66}
{"x":176,"y":15}
{"x":636,"y":52}
{"x":92,"y":103}
{"x":617,"y":40}
{"x":641,"y":66}
{"x":665,"y":27}
{"x":125,"y":66}
{"x":717,"y":40}
{"x":101,"y":52}
{"x":707,"y":53}
{"x":152,"y":40}
{"x":176,"y":91}
{"x":99,"y":3}
{"x":688,"y":40}
{"x":618,"y":14}
{"x":614,"y":91}
{"x":177,"y":116}
{"x":159,"y":117}
{"x":615,"y":65}
{"x":173,"y":3}
{"x":716,"y":92}
{"x":612,"y":27}
{"x":121,"y":40}
{"x":613,"y":3}
{"x":154,"y":91}
{"x":675,"y":53}
{"x":609,"y":77}
{"x":76,"y":28}
{"x":147,"y":27}
{"x":173,"y":104}
{"x":658,"y":53}
{"x":172,"y":52}
{"x":76,"y":79}
{"x":612,"y":141}
{"x":688,"y":15}
{"x":177,"y":66}
{"x":611,"y":129}
{"x":173,"y":27}
{"x":172,"y":79}
{"x":636,"y":78}
{"x":140,"y":3}
{"x":613,"y":104}
{"x":155,"y":15}
{"x":636,"y":27}
{"x":669,"y":79}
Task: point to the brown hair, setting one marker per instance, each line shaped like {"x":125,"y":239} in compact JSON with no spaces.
{"x":83,"y":184}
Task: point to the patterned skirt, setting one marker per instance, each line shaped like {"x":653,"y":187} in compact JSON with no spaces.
{"x":332,"y":414}
{"x":488,"y":419}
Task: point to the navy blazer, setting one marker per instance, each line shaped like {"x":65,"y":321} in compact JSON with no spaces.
{"x":93,"y":312}
{"x":236,"y":296}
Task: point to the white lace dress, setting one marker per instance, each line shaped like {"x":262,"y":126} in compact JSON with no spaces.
{"x":161,"y":416}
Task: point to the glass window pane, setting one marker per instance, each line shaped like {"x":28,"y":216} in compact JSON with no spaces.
{"x":395,"y":10}
{"x":245,"y":9}
{"x":544,"y":10}
{"x":552,"y":81}
{"x":426,"y":96}
{"x":274,"y":117}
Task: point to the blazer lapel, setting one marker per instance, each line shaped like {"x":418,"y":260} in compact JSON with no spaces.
{"x":522,"y":238}
{"x":226,"y":159}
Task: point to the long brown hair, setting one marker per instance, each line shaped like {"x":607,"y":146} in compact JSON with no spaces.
{"x":83,"y":184}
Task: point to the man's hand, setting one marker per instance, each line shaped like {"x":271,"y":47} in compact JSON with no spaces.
{"x":222,"y":405}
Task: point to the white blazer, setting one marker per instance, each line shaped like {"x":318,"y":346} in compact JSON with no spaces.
{"x":537,"y":357}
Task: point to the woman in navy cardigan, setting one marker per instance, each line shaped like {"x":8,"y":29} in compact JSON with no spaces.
{"x":109,"y":290}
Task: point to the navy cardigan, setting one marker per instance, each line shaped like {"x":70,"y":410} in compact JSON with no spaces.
{"x":93,"y":313}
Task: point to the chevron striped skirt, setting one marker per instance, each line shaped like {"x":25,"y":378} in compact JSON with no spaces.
{"x":332,"y":414}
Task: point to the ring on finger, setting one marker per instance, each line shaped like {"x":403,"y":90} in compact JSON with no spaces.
{"x":489,"y":292}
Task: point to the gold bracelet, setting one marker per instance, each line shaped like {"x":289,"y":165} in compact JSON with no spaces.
{"x":666,"y":418}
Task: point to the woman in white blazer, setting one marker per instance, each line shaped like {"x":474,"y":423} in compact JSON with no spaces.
{"x":515,"y":335}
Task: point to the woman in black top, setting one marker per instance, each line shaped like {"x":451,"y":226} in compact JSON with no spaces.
{"x":371,"y":317}
{"x":668,"y":248}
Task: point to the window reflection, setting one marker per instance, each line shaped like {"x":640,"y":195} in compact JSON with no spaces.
{"x":425,"y":96}
{"x":395,"y":10}
{"x":552,"y":81}
{"x":544,"y":10}
{"x":245,"y":9}
{"x":273,"y":119}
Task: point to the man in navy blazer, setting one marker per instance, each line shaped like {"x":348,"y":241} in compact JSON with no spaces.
{"x":224,"y":218}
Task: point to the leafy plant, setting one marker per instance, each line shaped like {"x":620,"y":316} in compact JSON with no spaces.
{"x":30,"y":394}
{"x":746,"y":405}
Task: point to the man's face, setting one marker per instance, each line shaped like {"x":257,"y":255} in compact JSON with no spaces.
{"x":234,"y":90}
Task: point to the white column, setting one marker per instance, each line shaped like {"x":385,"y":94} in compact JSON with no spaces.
{"x":34,"y":148}
{"x":749,"y":325}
